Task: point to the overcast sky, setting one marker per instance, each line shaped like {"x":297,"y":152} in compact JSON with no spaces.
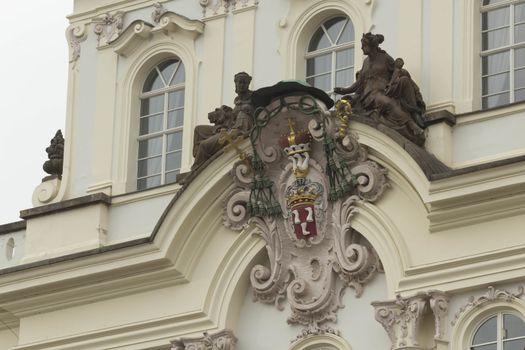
{"x":33,"y":69}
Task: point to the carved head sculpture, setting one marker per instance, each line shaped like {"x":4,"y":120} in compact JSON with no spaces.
{"x":242,"y":82}
{"x":370,"y":42}
{"x":220,"y":115}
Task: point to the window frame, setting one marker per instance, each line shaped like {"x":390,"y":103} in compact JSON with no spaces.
{"x":333,"y":50}
{"x":164,"y":132}
{"x":499,"y":328}
{"x":510,"y":47}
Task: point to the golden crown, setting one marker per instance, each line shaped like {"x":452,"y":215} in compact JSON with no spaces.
{"x":301,"y":196}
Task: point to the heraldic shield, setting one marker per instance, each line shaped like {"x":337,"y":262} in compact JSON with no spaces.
{"x":298,"y":190}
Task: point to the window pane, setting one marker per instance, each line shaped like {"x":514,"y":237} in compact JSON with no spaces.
{"x":318,"y":65}
{"x":150,"y":166}
{"x":333,"y":27}
{"x":153,"y":82}
{"x":496,"y":100}
{"x":176,"y":99}
{"x":486,"y":332}
{"x":519,"y":95}
{"x":514,"y":327}
{"x":348,"y":33}
{"x":173,"y":160}
{"x":167,"y":69}
{"x":519,"y":58}
{"x":174,"y":141}
{"x":496,"y":83}
{"x":150,"y":124}
{"x":321,"y":82}
{"x":152,"y":105}
{"x":490,"y":2}
{"x":319,"y":41}
{"x":519,"y":78}
{"x":344,"y":58}
{"x":151,"y":147}
{"x":171,"y":177}
{"x":519,"y":13}
{"x":496,"y":38}
{"x":514,"y":344}
{"x":519,"y":33}
{"x":148,"y":182}
{"x":344,"y":77}
{"x":495,"y":19}
{"x":496,"y":63}
{"x":180,"y":75}
{"x":175,"y":118}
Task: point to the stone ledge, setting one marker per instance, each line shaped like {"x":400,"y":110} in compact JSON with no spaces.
{"x":65,"y":205}
{"x":12,"y":227}
{"x":442,"y":116}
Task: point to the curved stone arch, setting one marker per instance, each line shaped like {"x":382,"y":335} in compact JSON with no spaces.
{"x":305,"y":17}
{"x":312,"y":343}
{"x":139,"y":56}
{"x":470,"y":320}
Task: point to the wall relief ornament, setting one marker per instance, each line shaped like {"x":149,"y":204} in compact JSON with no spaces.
{"x":158,"y":12}
{"x":108,"y":27}
{"x":223,"y":340}
{"x":401,"y":318}
{"x":492,"y":295}
{"x":299,"y":188}
{"x":218,"y":7}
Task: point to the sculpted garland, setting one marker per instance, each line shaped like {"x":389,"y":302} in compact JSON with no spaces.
{"x":299,"y":188}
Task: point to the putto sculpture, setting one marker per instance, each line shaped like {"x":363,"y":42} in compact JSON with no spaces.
{"x":385,"y":91}
{"x":229,"y":124}
{"x":55,"y":153}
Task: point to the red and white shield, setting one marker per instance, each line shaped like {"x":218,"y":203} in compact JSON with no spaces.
{"x":303,"y":216}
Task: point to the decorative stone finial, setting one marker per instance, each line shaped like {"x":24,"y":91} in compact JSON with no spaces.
{"x":55,"y":153}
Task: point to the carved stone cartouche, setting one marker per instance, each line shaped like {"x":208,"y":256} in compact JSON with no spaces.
{"x":300,"y":198}
{"x":385,"y":91}
{"x":55,"y":153}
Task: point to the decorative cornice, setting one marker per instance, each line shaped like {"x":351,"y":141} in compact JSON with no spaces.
{"x":223,"y":340}
{"x":212,"y":8}
{"x":492,"y":295}
{"x":75,"y":35}
{"x":401,"y":318}
{"x":108,"y":27}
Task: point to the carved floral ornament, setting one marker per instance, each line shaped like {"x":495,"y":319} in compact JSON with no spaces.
{"x":108,"y":27}
{"x":218,"y":7}
{"x":300,"y":196}
{"x":223,"y":340}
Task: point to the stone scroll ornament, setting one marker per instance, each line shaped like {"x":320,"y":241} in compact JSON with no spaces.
{"x":299,"y":188}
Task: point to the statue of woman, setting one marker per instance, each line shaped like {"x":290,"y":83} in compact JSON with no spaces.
{"x":382,"y":86}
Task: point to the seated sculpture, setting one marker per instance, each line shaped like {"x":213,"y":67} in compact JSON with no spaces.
{"x":383,"y":85}
{"x":209,"y":139}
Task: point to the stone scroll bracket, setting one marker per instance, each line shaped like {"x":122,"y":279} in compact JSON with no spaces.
{"x":407,"y":320}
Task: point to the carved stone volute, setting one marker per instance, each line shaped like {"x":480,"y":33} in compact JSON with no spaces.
{"x":223,"y":340}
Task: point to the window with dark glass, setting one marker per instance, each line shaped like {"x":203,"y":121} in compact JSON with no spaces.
{"x":330,"y":56}
{"x":502,"y":52}
{"x":503,"y":331}
{"x":160,"y":127}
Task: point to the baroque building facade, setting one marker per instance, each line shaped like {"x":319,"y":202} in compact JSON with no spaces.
{"x":302,"y":225}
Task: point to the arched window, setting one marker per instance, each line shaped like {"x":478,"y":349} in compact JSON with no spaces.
{"x":160,"y":127}
{"x":330,"y":56}
{"x":503,"y":331}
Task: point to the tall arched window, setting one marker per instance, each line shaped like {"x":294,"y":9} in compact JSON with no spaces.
{"x":503,"y":331}
{"x":330,"y":56}
{"x":160,"y":127}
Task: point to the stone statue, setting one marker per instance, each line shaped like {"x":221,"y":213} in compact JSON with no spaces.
{"x":207,"y":138}
{"x":243,"y":110}
{"x":229,"y":123}
{"x":383,"y":85}
{"x":55,"y":153}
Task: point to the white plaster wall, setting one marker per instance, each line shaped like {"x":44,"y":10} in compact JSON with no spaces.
{"x":489,"y":138}
{"x":263,"y":327}
{"x":136,"y":219}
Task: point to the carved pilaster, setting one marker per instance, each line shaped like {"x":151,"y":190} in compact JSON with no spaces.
{"x":223,"y":340}
{"x":401,"y":318}
{"x":108,"y":27}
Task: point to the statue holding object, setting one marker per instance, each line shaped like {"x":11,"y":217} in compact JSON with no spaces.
{"x":383,"y":85}
{"x":210,"y":139}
